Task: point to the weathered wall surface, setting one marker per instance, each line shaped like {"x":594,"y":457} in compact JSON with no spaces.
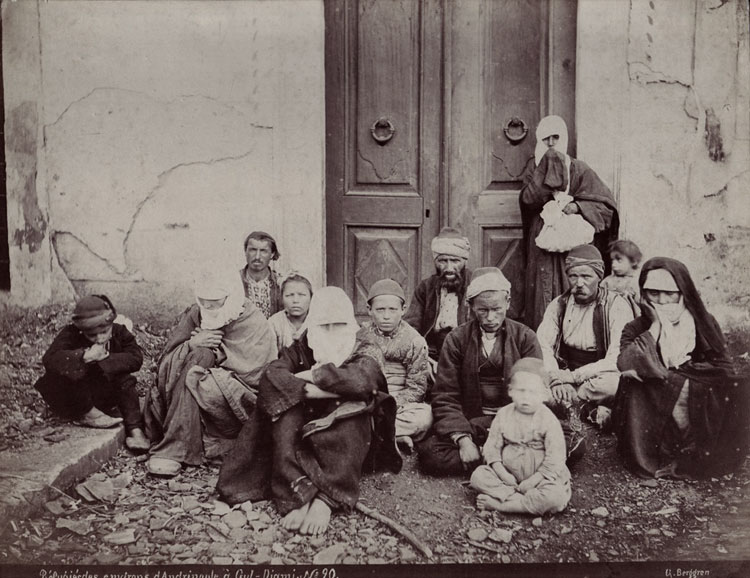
{"x":168,"y":131}
{"x":664,"y":114}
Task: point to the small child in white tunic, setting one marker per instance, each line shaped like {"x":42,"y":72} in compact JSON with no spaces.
{"x":525,"y":450}
{"x":289,"y":323}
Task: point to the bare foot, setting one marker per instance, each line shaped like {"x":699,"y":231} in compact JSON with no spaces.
{"x":317,"y":519}
{"x":293,"y":520}
{"x":485,"y":502}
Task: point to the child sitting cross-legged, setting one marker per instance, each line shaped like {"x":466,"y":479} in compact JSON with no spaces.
{"x":405,"y":352}
{"x":525,"y":450}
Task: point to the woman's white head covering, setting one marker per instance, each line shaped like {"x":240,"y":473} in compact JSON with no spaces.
{"x":212,"y":285}
{"x":331,"y":326}
{"x":677,"y":334}
{"x":549,"y":126}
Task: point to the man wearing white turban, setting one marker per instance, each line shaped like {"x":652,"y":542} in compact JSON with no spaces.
{"x":323,"y":415}
{"x":207,"y":374}
{"x":438,"y":304}
{"x":472,"y":376}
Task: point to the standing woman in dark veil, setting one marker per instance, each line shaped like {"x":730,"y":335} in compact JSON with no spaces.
{"x":558,"y":176}
{"x":680,"y":409}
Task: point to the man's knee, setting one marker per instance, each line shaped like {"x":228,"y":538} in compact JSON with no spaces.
{"x":438,"y":458}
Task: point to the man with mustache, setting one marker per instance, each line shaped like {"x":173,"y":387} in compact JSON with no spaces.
{"x":262,"y":284}
{"x":473,"y":375}
{"x":580,"y":339}
{"x":438,"y":304}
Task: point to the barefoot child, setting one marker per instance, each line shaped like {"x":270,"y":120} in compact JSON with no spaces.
{"x":405,"y":352}
{"x":626,"y":257}
{"x":289,"y":324}
{"x":89,"y":371}
{"x":525,"y":450}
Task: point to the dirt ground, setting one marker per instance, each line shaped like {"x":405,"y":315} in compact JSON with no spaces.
{"x":125,"y":516}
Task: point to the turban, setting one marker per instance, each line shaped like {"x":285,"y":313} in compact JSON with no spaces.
{"x":530,"y":365}
{"x":93,"y":312}
{"x":487,"y":279}
{"x":548,"y":126}
{"x":450,"y":242}
{"x":385,"y":287}
{"x":585,"y":255}
{"x":660,"y":280}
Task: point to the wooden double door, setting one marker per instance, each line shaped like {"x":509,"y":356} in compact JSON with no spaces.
{"x":431,"y":108}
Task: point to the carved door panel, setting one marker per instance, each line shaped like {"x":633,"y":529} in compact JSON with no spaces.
{"x":431,"y":107}
{"x":383,"y":116}
{"x":508,"y":63}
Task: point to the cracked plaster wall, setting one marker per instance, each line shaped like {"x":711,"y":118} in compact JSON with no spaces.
{"x":650,"y":75}
{"x":168,"y":131}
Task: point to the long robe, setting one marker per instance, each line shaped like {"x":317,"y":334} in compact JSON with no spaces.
{"x":179,"y":406}
{"x":718,"y":402}
{"x":545,"y":271}
{"x":457,"y":395}
{"x":294,"y":449}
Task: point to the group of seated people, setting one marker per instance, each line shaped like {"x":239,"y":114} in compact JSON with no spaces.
{"x":311,"y":399}
{"x":307,"y":399}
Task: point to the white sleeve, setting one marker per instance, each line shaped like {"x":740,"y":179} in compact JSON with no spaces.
{"x":547,"y":333}
{"x":620,"y":314}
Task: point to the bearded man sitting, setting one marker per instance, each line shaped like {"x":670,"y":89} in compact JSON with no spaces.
{"x":438,"y":304}
{"x":323,"y":415}
{"x":207,"y":374}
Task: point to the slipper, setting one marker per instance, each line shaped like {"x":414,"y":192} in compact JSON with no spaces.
{"x":163,"y":467}
{"x":99,"y":422}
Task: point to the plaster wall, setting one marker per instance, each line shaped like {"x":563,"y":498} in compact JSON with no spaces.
{"x":663,"y":114}
{"x":168,"y":131}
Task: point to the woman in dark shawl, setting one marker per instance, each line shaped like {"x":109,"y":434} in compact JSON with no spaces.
{"x":680,"y":409}
{"x":557,"y":174}
{"x":323,"y":415}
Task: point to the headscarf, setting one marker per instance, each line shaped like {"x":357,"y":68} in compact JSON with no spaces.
{"x":212,"y":286}
{"x":93,"y":312}
{"x":487,"y":279}
{"x":708,"y":335}
{"x":451,"y":242}
{"x":331,"y":343}
{"x":548,"y":126}
{"x":585,"y":255}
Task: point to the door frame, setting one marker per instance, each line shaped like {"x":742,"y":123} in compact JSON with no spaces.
{"x":557,"y":87}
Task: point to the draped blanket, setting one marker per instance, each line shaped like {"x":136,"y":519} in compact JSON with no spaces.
{"x":718,"y":407}
{"x":226,"y":392}
{"x":294,"y":449}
